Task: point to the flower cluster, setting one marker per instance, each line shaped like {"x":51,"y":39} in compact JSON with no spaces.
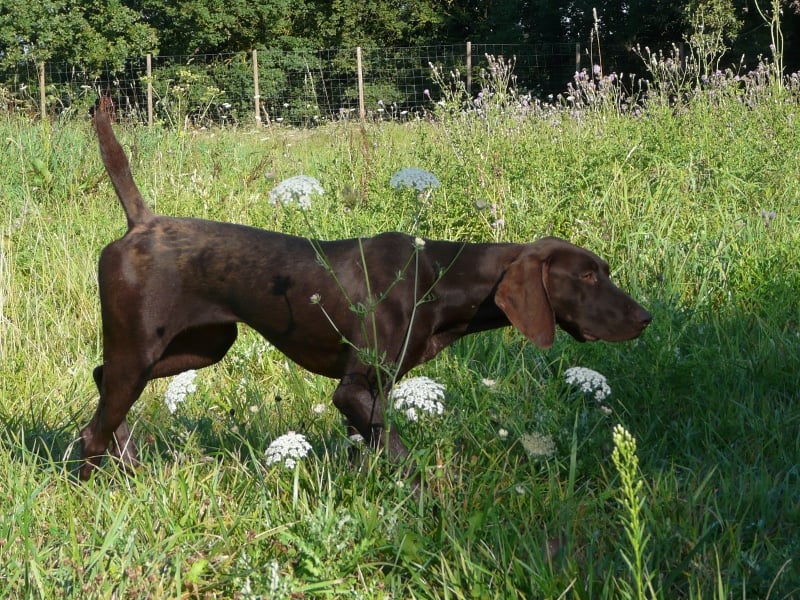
{"x":418,"y":395}
{"x":418,"y":179}
{"x":181,"y":386}
{"x":300,"y":189}
{"x":287,"y":449}
{"x":537,"y":444}
{"x":589,"y":381}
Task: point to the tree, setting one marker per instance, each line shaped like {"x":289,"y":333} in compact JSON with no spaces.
{"x":220,"y":26}
{"x":378,"y":23}
{"x":486,"y":21}
{"x":87,"y":33}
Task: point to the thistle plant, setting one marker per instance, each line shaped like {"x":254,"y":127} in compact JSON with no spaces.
{"x":631,"y":499}
{"x":772,"y":17}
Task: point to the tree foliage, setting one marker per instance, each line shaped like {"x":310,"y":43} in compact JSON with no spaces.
{"x":88,"y":33}
{"x":214,"y":26}
{"x":93,"y":32}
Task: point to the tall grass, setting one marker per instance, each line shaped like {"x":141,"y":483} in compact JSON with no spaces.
{"x":671,"y":197}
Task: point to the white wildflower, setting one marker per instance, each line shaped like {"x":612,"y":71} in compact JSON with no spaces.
{"x":488,"y":382}
{"x":181,"y":386}
{"x":588,"y":381}
{"x":419,"y":243}
{"x":503,"y":433}
{"x":287,"y":449}
{"x":356,"y":439}
{"x":419,"y":179}
{"x":418,"y":394}
{"x":319,"y":409}
{"x":300,"y":189}
{"x":537,"y":444}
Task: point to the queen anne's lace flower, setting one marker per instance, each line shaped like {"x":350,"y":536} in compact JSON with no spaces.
{"x":419,"y":179}
{"x":418,"y":395}
{"x":537,"y":444}
{"x":287,"y":449}
{"x":300,"y":189}
{"x":589,"y":381}
{"x":181,"y":386}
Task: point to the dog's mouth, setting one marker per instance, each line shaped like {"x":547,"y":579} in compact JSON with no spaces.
{"x":581,"y":334}
{"x":578,"y":333}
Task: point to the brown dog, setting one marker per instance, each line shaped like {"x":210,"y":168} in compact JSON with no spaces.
{"x":173,"y":290}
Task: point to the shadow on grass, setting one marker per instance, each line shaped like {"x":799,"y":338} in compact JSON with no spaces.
{"x":56,"y":448}
{"x":34,"y":443}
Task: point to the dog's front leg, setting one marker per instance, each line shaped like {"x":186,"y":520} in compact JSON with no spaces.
{"x":359,"y":400}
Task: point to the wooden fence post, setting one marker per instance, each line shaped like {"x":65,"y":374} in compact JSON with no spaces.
{"x":256,"y":92}
{"x":577,"y":57}
{"x":149,"y":90}
{"x":469,"y":69}
{"x":361,"y":110}
{"x":42,"y":94}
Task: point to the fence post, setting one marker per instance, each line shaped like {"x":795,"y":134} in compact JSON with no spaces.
{"x":361,"y":110}
{"x":149,"y":90}
{"x":42,"y":94}
{"x":256,"y":93}
{"x":577,"y":57}
{"x":469,"y":69}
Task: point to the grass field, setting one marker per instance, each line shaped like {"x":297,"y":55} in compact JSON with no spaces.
{"x":679,"y":200}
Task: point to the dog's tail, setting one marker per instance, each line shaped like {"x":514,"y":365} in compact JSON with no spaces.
{"x":117,"y":165}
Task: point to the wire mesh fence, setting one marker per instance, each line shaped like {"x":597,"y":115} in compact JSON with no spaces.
{"x":270,"y":86}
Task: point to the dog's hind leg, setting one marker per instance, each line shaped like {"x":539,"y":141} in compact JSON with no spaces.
{"x":119,"y":388}
{"x":120,"y":385}
{"x":124,"y":448}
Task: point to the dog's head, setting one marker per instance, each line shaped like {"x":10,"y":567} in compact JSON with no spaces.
{"x":554,"y":282}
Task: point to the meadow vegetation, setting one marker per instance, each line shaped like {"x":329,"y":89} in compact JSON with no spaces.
{"x":683,"y":482}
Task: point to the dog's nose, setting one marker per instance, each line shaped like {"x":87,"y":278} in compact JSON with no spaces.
{"x":644,"y":317}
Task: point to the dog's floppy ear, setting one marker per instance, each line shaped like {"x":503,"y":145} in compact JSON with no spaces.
{"x":522,"y":296}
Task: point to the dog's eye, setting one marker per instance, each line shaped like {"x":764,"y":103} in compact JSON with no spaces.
{"x":589,"y":277}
